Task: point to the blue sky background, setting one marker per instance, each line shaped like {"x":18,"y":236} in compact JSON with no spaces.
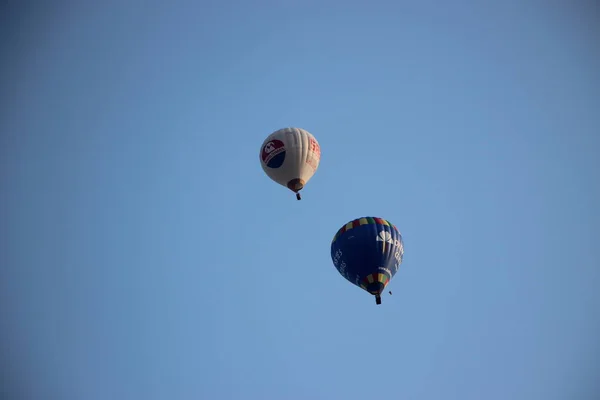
{"x":145,"y":255}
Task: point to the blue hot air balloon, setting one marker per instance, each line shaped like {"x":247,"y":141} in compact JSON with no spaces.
{"x":368,"y":252}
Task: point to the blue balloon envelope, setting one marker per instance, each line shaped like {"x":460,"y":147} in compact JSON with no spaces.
{"x":368,"y":252}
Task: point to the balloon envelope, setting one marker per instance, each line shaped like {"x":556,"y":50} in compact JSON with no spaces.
{"x":290,"y":157}
{"x":368,"y":252}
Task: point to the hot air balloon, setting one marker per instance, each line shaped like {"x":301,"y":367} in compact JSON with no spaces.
{"x":290,"y":157}
{"x":368,"y":252}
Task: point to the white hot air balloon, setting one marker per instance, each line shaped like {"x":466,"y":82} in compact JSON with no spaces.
{"x":290,"y":157}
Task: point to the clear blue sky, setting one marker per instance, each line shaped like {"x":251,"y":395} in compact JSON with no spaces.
{"x":145,"y":254}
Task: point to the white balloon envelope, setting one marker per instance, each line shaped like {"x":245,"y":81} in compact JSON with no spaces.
{"x":290,"y":157}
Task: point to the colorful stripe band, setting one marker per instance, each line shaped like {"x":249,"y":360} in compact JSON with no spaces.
{"x":362,"y":221}
{"x":375,"y":277}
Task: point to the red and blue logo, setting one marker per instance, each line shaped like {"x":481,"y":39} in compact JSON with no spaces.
{"x":273,"y":153}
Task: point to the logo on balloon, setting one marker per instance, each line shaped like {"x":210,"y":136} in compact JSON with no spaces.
{"x":273,"y":153}
{"x":385,"y":236}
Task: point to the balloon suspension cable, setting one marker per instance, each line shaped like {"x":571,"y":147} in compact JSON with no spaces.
{"x":298,"y":197}
{"x":377,"y":299}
